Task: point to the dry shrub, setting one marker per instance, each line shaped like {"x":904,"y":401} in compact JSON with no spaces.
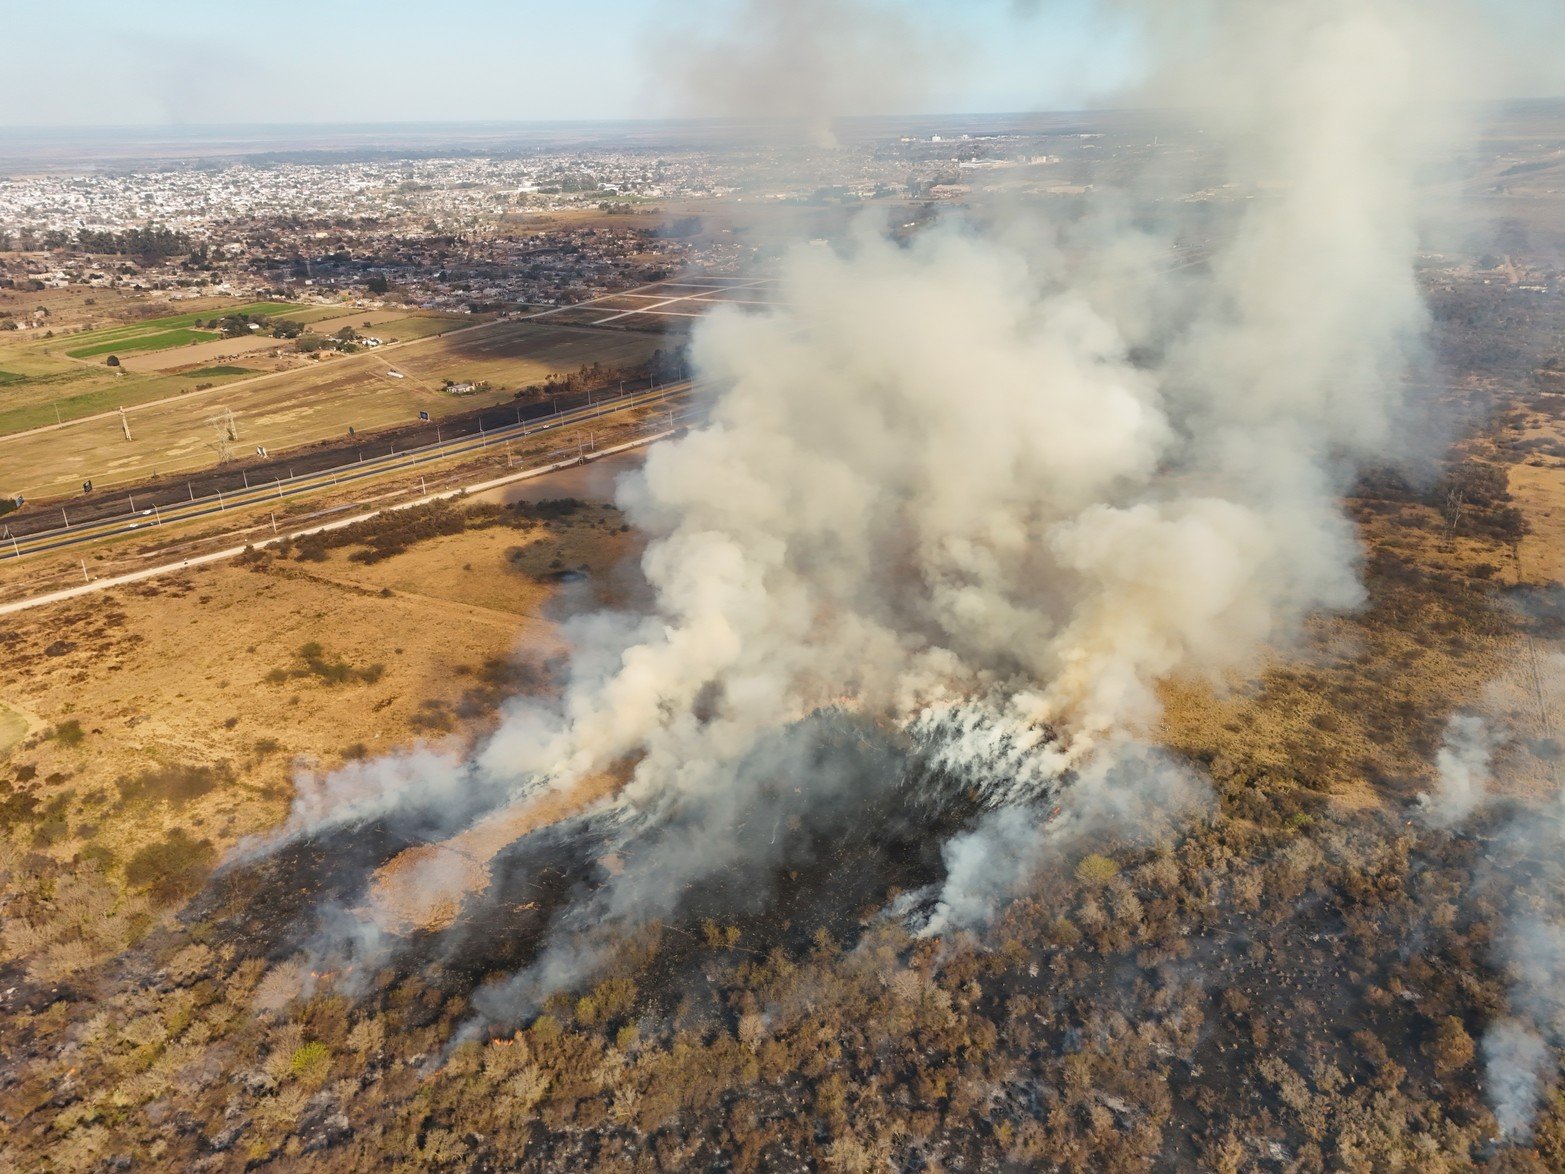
{"x":173,"y":868}
{"x":176,"y":783}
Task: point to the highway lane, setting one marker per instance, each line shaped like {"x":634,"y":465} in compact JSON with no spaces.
{"x":12,"y":546}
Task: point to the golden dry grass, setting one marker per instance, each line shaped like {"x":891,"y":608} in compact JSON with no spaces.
{"x":202,"y":669}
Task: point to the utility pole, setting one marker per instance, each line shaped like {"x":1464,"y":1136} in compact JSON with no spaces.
{"x":15,"y":549}
{"x":156,"y":517}
{"x":124,"y":424}
{"x":274,"y":522}
{"x":86,"y":578}
{"x":66,"y":516}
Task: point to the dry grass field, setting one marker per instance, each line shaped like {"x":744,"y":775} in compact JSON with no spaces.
{"x":318,"y":400}
{"x":516,"y":354}
{"x":179,"y":711}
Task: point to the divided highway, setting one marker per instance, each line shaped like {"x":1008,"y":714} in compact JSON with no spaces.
{"x":17,"y":546}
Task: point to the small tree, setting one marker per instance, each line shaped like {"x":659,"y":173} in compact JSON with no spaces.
{"x":1451,"y":1048}
{"x":113,"y":360}
{"x":1096,"y":870}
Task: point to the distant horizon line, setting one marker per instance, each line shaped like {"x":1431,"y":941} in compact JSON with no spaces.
{"x":711,"y":119}
{"x":643,"y":120}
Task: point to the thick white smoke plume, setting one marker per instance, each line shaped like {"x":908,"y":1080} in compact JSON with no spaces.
{"x":1516,"y":1062}
{"x":1463,"y":769}
{"x":985,"y":496}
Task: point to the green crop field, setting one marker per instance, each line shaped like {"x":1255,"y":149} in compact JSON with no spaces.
{"x":86,"y":344}
{"x":209,"y":372}
{"x":144,"y":342}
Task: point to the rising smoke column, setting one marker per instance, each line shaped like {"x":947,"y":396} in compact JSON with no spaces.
{"x":1463,"y":768}
{"x":938,"y":485}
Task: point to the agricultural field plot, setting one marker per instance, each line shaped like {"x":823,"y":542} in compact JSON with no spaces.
{"x":41,"y":385}
{"x":158,"y":341}
{"x":158,"y":333}
{"x":387,"y":325}
{"x":33,"y":402}
{"x":216,"y":351}
{"x":44,"y":380}
{"x":401,"y":326}
{"x":671,"y":304}
{"x":518,"y":354}
{"x":317,"y":401}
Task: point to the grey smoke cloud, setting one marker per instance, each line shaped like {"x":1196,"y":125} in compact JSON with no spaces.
{"x":1463,"y":768}
{"x":1516,"y":1062}
{"x":1520,"y":872}
{"x":942,"y":489}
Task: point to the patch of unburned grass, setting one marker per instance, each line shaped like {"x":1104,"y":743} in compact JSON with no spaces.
{"x":13,"y":728}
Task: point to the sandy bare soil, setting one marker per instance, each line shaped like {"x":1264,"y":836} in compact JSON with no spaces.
{"x":220,"y":350}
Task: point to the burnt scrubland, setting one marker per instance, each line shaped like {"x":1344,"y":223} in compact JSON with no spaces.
{"x":1297,"y":980}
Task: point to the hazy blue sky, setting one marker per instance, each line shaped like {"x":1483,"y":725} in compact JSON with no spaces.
{"x":114,"y":62}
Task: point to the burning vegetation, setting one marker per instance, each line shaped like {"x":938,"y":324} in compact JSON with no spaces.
{"x":1060,"y":719}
